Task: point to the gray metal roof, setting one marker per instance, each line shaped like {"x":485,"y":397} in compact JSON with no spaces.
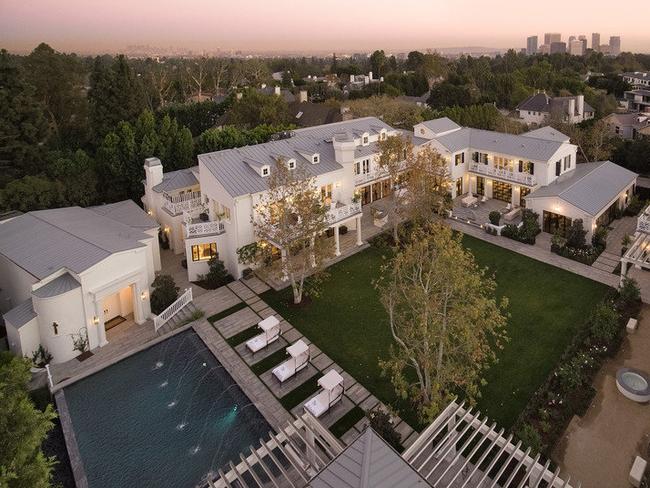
{"x":175,"y":180}
{"x":548,"y":133}
{"x":232,"y":169}
{"x":21,"y":314}
{"x":509,"y":144}
{"x":57,"y":286}
{"x":590,"y":186}
{"x":443,"y":124}
{"x":368,"y":462}
{"x":45,"y":241}
{"x":417,"y":141}
{"x":127,"y":212}
{"x":637,"y":120}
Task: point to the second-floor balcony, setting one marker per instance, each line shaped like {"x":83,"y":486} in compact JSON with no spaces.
{"x":178,"y":204}
{"x":199,"y":228}
{"x":374,"y":174}
{"x":341,"y":211}
{"x":503,"y":174}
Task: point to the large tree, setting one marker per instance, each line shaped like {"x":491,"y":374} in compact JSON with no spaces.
{"x":22,"y":429}
{"x":444,"y":317}
{"x":255,"y":108}
{"x":291,"y":216}
{"x":392,"y":160}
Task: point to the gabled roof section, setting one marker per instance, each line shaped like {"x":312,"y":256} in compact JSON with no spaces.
{"x":590,"y":186}
{"x":518,"y":146}
{"x":230,"y":167}
{"x":368,"y":462}
{"x":74,"y":238}
{"x":443,"y":124}
{"x":21,"y":314}
{"x":541,"y":102}
{"x":58,"y":286}
{"x":176,"y":180}
{"x":547,"y":133}
{"x":127,"y":212}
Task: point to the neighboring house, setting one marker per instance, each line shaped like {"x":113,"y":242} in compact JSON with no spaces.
{"x":308,"y":114}
{"x":628,"y":125}
{"x":213,"y":205}
{"x":67,"y":272}
{"x":638,"y":79}
{"x":277,"y":91}
{"x":421,"y":101}
{"x":637,"y":100}
{"x":539,"y":109}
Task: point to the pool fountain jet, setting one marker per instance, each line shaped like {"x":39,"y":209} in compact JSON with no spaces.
{"x":633,"y":384}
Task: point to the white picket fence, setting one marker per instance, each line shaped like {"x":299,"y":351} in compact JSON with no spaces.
{"x":173,"y":309}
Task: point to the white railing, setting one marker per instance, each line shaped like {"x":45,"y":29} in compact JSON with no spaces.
{"x":504,"y":174}
{"x":376,"y":174}
{"x":182,"y":205}
{"x":166,"y":315}
{"x":336,"y":214}
{"x":204,"y":228}
{"x":643,"y":221}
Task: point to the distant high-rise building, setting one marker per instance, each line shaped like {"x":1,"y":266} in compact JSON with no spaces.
{"x":531,"y":45}
{"x":572,"y":38}
{"x":558,"y":47}
{"x":551,"y":37}
{"x":595,"y":41}
{"x":583,"y":39}
{"x":575,"y":47}
{"x":544,"y":49}
{"x":615,"y":45}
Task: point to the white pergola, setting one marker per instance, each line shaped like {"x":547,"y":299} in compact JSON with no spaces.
{"x":462,"y":450}
{"x":638,"y":255}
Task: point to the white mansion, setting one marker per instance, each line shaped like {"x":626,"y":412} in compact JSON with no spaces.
{"x":207,"y":210}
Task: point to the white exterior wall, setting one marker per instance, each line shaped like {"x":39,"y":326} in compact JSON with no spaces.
{"x":15,"y":284}
{"x":531,"y":117}
{"x":23,"y":341}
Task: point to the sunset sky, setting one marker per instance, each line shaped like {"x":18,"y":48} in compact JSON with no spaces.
{"x":90,"y":26}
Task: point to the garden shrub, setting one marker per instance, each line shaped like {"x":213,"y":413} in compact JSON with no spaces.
{"x":343,"y":229}
{"x":635,"y":205}
{"x":216,"y":276}
{"x":495,"y":217}
{"x":605,"y":323}
{"x":599,"y":237}
{"x":527,"y":231}
{"x":629,"y":292}
{"x":575,"y":234}
{"x":530,"y":437}
{"x":165,"y":292}
{"x":381,"y":422}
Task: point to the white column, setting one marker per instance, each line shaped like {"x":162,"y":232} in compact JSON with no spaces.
{"x":101,"y":330}
{"x":359,"y":241}
{"x":624,"y":265}
{"x":138,"y":313}
{"x":283,"y":255}
{"x":336,"y":241}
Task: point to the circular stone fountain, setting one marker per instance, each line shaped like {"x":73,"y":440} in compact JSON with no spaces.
{"x":634,"y":384}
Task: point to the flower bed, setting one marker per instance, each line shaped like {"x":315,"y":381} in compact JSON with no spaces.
{"x":585,"y":255}
{"x":568,"y":391}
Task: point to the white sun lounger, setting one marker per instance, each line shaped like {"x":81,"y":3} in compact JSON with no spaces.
{"x":299,"y":352}
{"x":270,"y":333}
{"x":331,"y":393}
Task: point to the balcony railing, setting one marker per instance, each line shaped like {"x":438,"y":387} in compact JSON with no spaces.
{"x":504,"y":174}
{"x":374,"y":175}
{"x":643,"y":221}
{"x":177,"y":206}
{"x":198,"y":229}
{"x":341,"y":212}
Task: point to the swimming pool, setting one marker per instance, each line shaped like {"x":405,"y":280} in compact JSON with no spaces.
{"x":163,"y":417}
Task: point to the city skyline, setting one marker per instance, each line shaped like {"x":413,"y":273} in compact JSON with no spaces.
{"x":200,"y":25}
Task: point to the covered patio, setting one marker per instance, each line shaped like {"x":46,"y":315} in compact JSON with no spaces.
{"x":479,"y":212}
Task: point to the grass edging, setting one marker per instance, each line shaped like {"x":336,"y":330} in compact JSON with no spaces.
{"x":301,"y":393}
{"x":268,"y":362}
{"x":349,"y":420}
{"x":229,"y":311}
{"x":242,"y":336}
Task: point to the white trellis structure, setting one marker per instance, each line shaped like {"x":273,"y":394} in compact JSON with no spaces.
{"x":638,"y":254}
{"x":462,"y":450}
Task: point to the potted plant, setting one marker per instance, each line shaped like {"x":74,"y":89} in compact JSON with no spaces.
{"x":343,"y":229}
{"x":40,"y":358}
{"x":204,"y":217}
{"x":625,"y":243}
{"x":495,"y":217}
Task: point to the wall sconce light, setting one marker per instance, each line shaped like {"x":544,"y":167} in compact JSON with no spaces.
{"x":96,"y":320}
{"x":149,"y":212}
{"x":338,"y":184}
{"x":143,"y":295}
{"x":167,"y":229}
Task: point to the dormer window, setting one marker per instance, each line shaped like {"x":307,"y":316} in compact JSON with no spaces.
{"x":266,"y":170}
{"x":365,"y":139}
{"x":382,"y":135}
{"x":315,"y":159}
{"x":291,"y":164}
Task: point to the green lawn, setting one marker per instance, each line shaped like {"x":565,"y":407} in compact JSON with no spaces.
{"x":547,"y":306}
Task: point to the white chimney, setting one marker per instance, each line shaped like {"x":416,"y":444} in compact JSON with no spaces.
{"x":276,"y":90}
{"x":302,"y":96}
{"x":153,"y":172}
{"x":580,"y":105}
{"x":263,"y":86}
{"x":370,"y":75}
{"x":572,"y":108}
{"x":239,"y":95}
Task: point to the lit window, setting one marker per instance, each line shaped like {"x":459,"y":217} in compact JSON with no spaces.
{"x":459,"y":159}
{"x":203,"y":252}
{"x":365,"y":139}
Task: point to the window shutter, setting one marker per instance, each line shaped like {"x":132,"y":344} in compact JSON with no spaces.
{"x":558,"y":167}
{"x":531,"y":168}
{"x":521,"y":165}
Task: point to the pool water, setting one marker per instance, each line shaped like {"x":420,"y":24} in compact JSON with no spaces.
{"x":634,"y":381}
{"x":164,"y":417}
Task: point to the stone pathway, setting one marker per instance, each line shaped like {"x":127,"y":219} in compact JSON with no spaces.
{"x":540,"y":252}
{"x":319,"y":364}
{"x":607,"y":262}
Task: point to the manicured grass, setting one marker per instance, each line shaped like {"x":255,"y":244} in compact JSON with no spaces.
{"x":244,"y":335}
{"x":235,"y":308}
{"x":269,"y":362}
{"x":346,"y":422}
{"x":547,"y":306}
{"x":300,"y":394}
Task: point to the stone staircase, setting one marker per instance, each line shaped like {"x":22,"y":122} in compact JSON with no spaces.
{"x":181,"y":318}
{"x":607,"y":261}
